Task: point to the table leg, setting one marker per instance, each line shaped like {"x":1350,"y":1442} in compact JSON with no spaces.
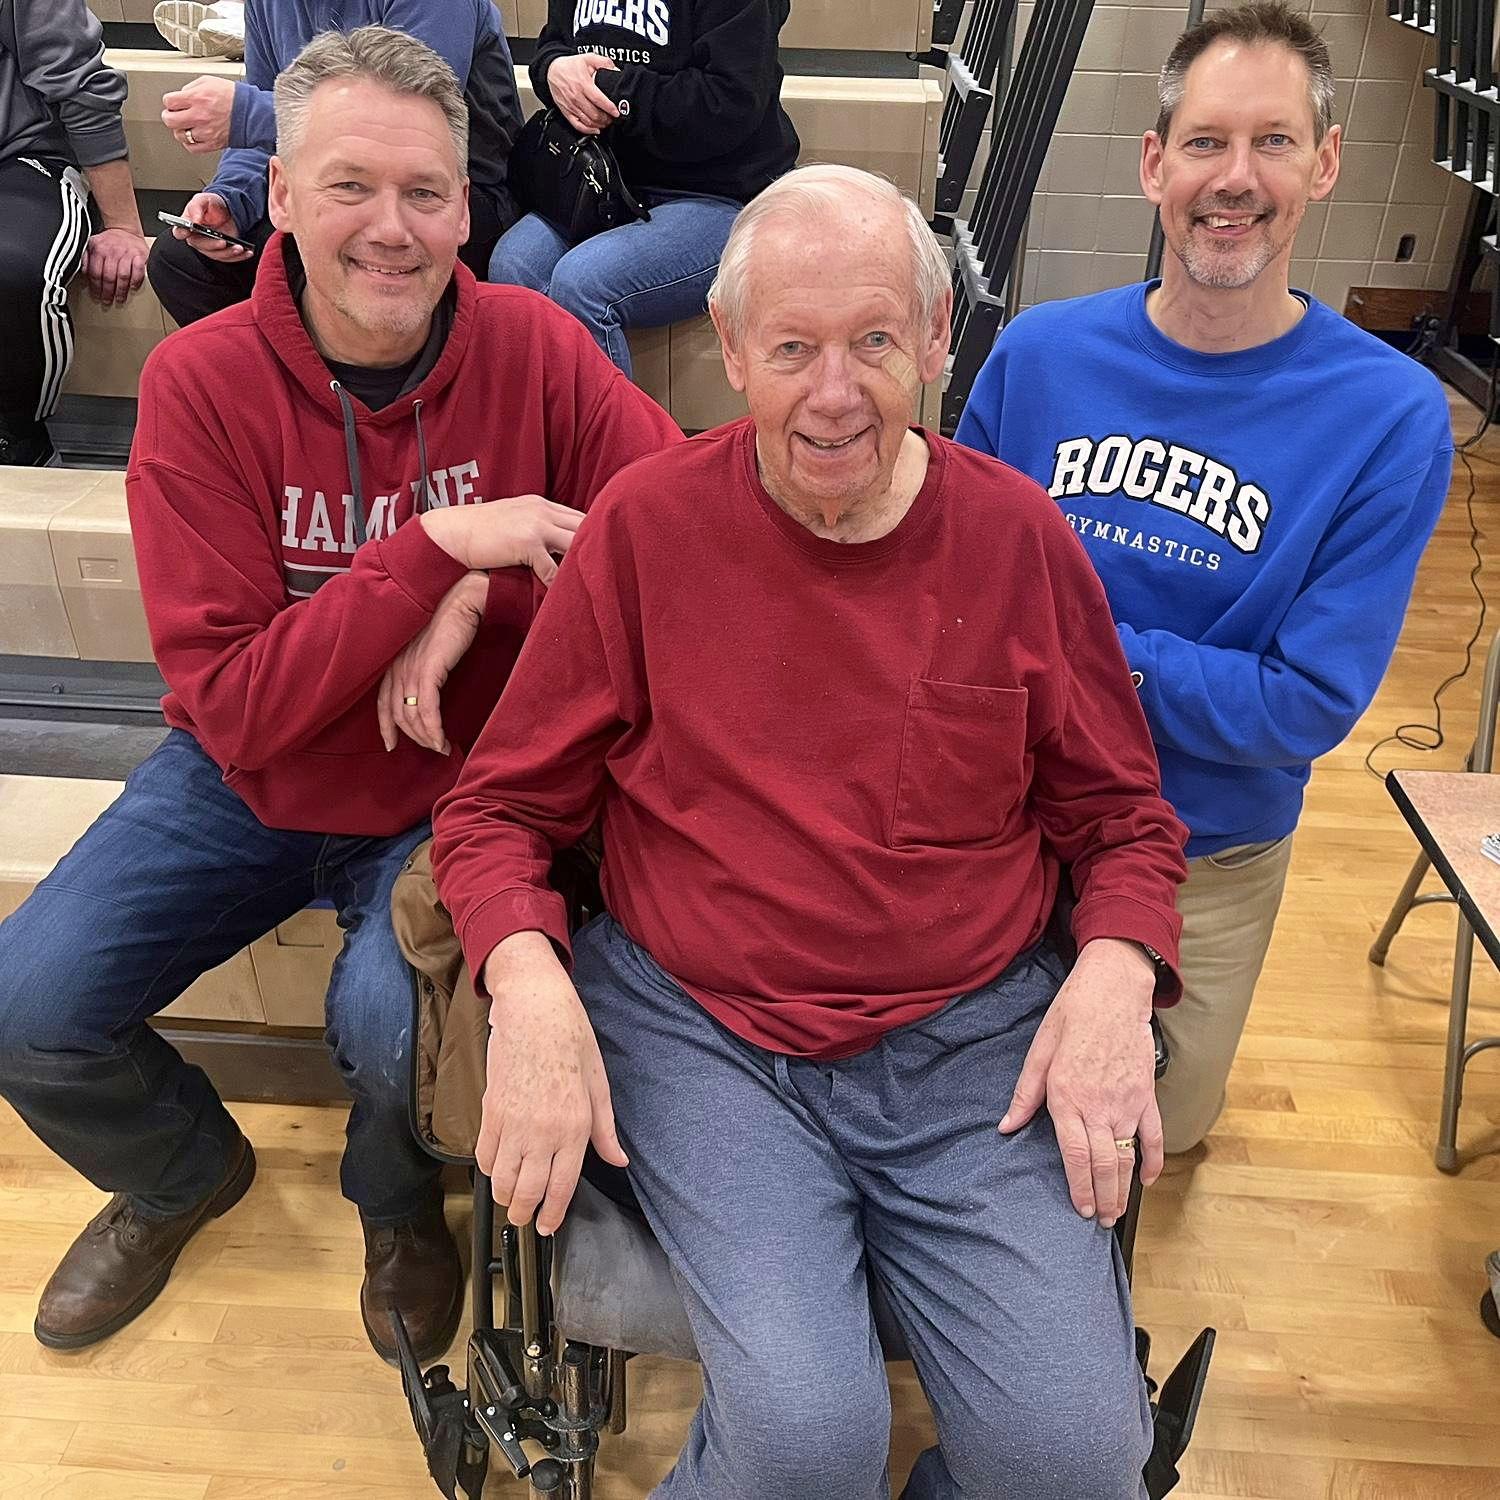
{"x":1446,"y":1154}
{"x":1403,"y":904}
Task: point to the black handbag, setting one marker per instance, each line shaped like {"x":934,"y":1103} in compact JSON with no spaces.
{"x":572,"y":180}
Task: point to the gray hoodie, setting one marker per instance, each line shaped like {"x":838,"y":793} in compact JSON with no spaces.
{"x":57,"y":97}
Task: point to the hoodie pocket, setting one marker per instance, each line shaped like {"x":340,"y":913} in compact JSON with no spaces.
{"x":963,"y":760}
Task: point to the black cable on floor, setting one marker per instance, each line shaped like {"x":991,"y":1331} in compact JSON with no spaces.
{"x":1406,"y":734}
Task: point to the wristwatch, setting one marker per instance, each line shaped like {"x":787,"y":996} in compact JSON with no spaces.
{"x":1163,"y":968}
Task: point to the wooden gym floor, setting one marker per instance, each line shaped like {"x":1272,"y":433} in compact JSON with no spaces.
{"x":1341,"y":1269}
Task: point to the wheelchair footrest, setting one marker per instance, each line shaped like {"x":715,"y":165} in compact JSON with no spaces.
{"x":440,"y":1413}
{"x":1175,"y":1413}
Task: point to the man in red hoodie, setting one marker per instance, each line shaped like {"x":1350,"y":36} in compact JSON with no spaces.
{"x":336,"y":494}
{"x":846,"y":697}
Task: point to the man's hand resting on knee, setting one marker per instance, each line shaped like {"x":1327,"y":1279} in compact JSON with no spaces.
{"x":1092,"y":1061}
{"x":545,"y":1093}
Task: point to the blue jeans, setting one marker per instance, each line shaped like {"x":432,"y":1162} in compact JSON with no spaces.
{"x":777,"y":1185}
{"x":175,"y":877}
{"x":641,"y":275}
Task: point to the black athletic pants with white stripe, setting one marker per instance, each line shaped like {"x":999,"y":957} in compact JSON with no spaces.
{"x":44,"y":230}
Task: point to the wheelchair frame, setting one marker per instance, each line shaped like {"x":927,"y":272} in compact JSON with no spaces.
{"x":527,"y":1382}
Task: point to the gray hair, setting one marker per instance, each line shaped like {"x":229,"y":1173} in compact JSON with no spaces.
{"x":1267,"y":23}
{"x":819,"y":192}
{"x":381,"y":55}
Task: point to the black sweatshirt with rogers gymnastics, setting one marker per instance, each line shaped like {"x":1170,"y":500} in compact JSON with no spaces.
{"x":698,"y":85}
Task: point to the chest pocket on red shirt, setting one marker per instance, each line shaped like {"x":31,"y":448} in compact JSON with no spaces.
{"x":963,"y":752}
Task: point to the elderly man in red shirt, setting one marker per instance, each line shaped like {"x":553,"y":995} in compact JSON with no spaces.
{"x":848,"y":702}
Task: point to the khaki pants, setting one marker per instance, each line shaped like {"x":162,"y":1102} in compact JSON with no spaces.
{"x":1228,"y":904}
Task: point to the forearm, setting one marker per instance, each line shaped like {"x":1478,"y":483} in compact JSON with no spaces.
{"x":252,"y":120}
{"x":259,"y":678}
{"x":114,"y":191}
{"x":1239,"y":708}
{"x":241,"y":183}
{"x":525,"y":963}
{"x":556,"y":40}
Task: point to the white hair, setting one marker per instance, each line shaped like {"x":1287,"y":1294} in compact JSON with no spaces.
{"x":824,"y":192}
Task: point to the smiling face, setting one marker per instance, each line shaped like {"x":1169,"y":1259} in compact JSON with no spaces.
{"x":1239,"y":165}
{"x":832,"y":355}
{"x":378,"y":202}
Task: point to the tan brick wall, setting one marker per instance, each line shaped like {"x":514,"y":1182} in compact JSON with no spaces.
{"x":1090,"y":227}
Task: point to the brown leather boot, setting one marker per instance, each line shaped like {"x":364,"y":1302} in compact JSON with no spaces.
{"x":116,"y":1268}
{"x":414,"y":1266}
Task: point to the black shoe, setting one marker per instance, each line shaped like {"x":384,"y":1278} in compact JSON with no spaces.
{"x":32,"y":449}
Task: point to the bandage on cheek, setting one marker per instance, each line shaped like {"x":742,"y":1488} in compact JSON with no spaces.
{"x":898,"y":365}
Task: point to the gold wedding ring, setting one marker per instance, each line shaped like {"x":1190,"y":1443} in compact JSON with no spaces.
{"x":1124,"y":1146}
{"x":409,"y":701}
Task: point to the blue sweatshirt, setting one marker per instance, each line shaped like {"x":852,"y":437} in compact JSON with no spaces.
{"x":1256,"y":518}
{"x":465,"y":33}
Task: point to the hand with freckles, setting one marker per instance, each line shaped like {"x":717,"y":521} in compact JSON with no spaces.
{"x":546,"y":1095}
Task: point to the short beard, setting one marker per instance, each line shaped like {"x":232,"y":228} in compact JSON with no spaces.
{"x":397,"y":322}
{"x":1219,"y":272}
{"x":1227,"y":272}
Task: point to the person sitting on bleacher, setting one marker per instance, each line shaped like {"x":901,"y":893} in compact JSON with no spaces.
{"x":194,"y":275}
{"x":846,"y":697}
{"x":61,"y":139}
{"x":335,"y":495}
{"x":687,"y":93}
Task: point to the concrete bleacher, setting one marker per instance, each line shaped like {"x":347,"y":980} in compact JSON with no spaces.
{"x":867,"y":25}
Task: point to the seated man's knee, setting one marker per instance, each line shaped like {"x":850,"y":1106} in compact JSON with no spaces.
{"x":1057,"y":1447}
{"x":184,"y":282}
{"x":808,"y":1429}
{"x":166,"y":263}
{"x":1185,"y":1121}
{"x":38,"y":1015}
{"x":371,"y":1044}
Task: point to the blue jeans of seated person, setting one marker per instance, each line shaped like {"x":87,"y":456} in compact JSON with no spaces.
{"x":175,"y":877}
{"x":641,"y":275}
{"x":776,"y":1183}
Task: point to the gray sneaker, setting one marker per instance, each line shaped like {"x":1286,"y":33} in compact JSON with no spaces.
{"x":177,"y":21}
{"x":198,"y":30}
{"x":1489,"y":1305}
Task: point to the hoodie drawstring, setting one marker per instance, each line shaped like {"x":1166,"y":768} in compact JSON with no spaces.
{"x":424,"y":494}
{"x":351,"y":452}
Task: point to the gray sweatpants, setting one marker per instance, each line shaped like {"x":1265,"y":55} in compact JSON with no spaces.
{"x":777,"y":1184}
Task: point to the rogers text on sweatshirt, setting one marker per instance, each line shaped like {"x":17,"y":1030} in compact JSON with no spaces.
{"x":837,"y":780}
{"x":272,"y":625}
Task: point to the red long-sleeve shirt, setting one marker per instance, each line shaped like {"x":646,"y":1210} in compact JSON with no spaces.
{"x":271,"y":622}
{"x":837,"y":780}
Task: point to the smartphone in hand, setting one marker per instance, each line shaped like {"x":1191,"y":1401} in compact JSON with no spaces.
{"x":178,"y":222}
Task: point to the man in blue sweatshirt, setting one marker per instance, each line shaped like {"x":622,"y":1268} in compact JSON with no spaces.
{"x":194,"y":275}
{"x":1255,"y":479}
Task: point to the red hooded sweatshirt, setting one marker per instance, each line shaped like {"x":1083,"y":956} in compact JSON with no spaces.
{"x":272,"y":620}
